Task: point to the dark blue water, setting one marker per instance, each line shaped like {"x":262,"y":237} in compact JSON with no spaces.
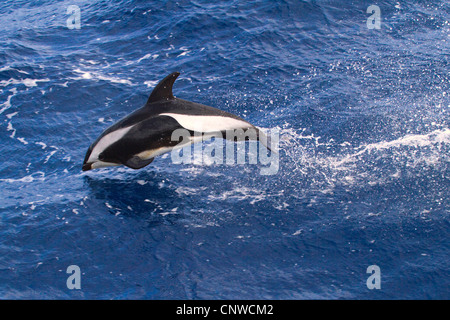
{"x":363,"y":117}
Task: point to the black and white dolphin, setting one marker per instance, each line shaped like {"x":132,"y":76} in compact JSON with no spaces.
{"x":138,"y":138}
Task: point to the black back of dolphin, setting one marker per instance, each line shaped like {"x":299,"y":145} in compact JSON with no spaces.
{"x":149,"y":129}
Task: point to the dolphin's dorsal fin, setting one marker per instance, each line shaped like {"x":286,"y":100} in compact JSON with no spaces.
{"x":163,"y":90}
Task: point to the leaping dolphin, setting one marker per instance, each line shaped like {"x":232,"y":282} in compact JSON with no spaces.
{"x":137,"y":139}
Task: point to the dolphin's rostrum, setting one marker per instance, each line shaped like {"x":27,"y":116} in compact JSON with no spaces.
{"x":135,"y":140}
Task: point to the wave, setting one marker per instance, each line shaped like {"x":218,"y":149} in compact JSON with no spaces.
{"x":367,"y":164}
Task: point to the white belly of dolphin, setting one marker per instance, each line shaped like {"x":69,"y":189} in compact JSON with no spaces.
{"x":145,"y":155}
{"x":201,"y":123}
{"x":102,"y":164}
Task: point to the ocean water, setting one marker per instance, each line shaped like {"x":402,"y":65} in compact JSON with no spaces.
{"x":362,"y":115}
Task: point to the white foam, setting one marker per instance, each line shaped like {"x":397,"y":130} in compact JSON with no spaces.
{"x":187,"y":191}
{"x":92,"y":75}
{"x":42,"y":144}
{"x":51,"y":154}
{"x":411,"y":140}
{"x":10,"y":115}
{"x":37,"y":176}
{"x":6,"y":68}
{"x":172,"y":211}
{"x":27,"y":82}
{"x":150,"y":84}
{"x":22,"y":140}
{"x":240,"y":193}
{"x":11,"y":128}
{"x":148,"y":55}
{"x":7,"y":104}
{"x":183,"y":54}
{"x":368,"y":164}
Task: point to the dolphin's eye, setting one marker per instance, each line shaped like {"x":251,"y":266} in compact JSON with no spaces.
{"x":101,"y":157}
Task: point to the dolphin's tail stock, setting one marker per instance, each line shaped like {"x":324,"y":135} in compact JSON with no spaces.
{"x":266,"y":140}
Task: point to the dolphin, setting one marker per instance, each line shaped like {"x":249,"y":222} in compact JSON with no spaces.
{"x":138,"y":138}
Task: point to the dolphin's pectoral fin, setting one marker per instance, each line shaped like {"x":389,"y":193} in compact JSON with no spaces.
{"x":136,"y":163}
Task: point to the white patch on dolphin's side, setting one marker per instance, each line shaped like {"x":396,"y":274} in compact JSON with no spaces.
{"x":106,"y":141}
{"x":202,"y":123}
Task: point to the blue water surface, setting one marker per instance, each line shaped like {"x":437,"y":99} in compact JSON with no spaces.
{"x":363,"y":119}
